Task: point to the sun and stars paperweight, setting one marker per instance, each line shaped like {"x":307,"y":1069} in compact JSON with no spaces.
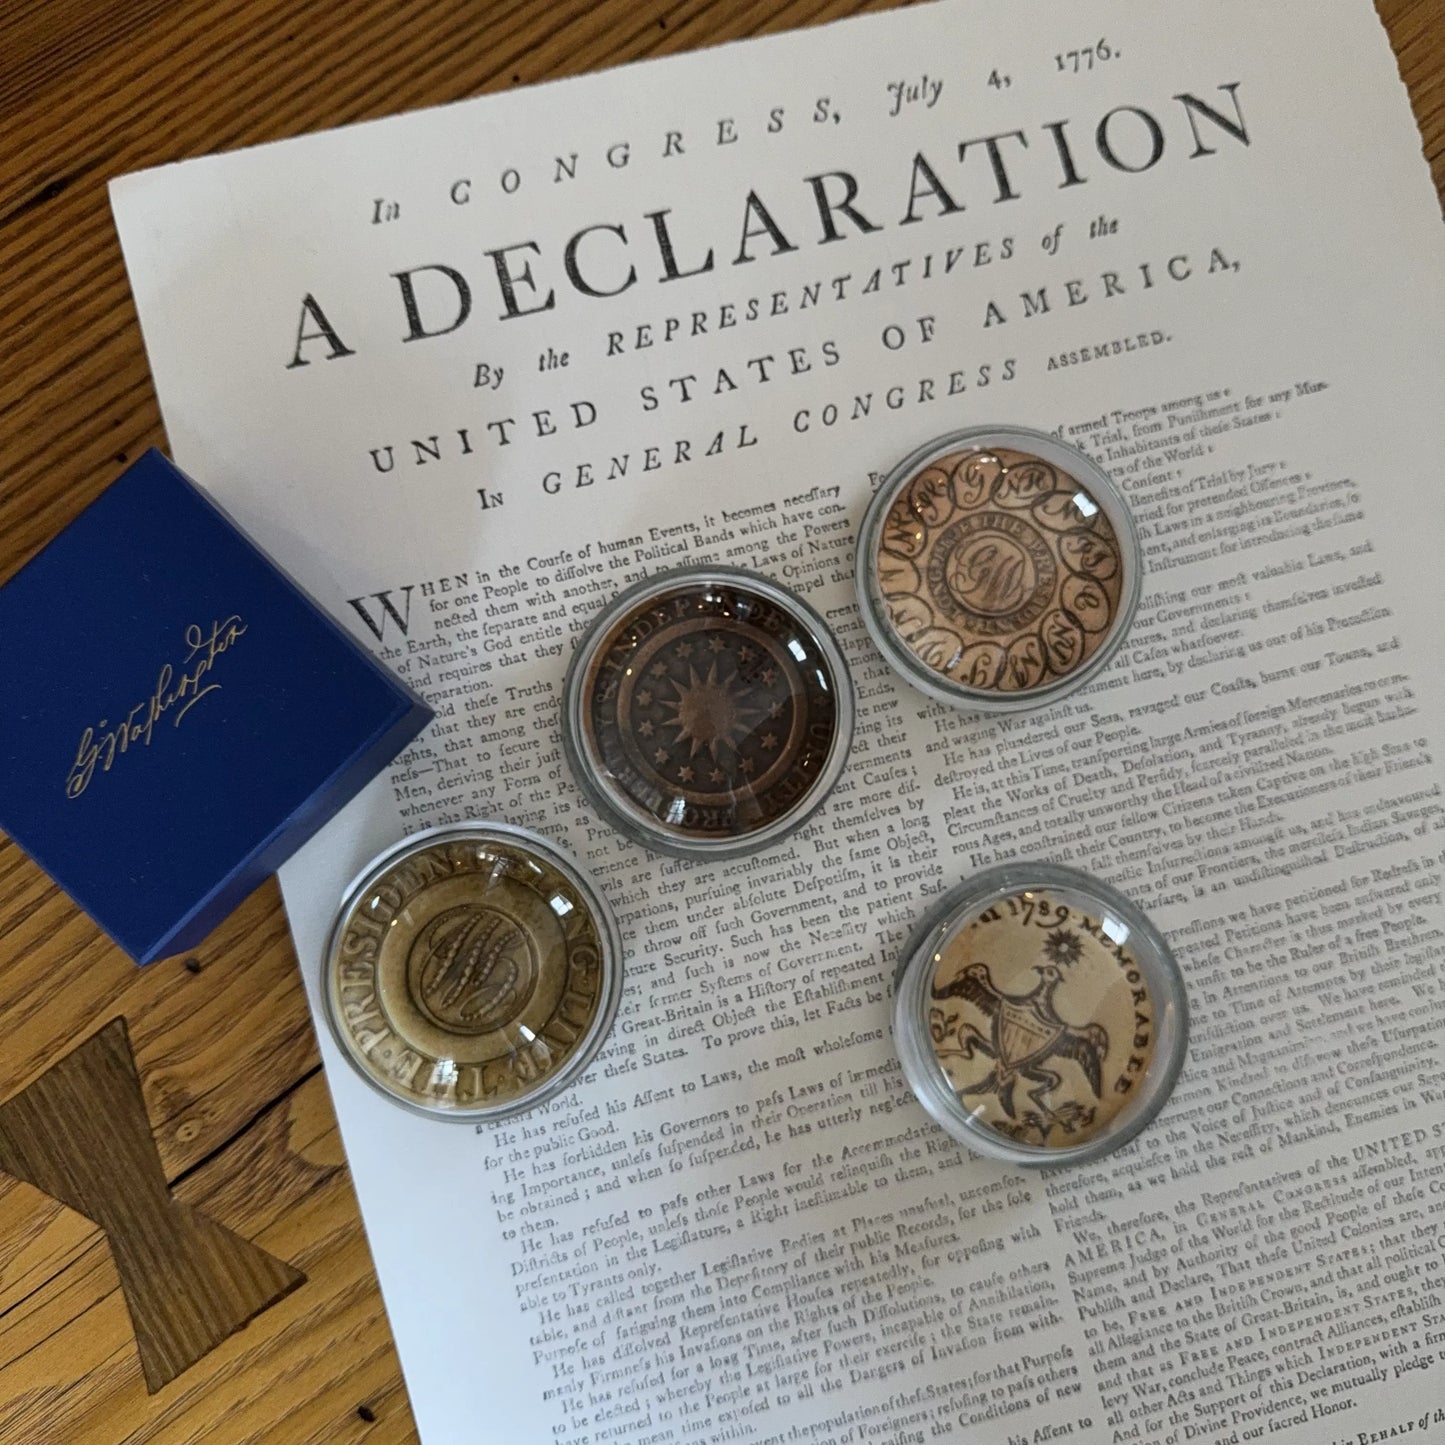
{"x":707,"y":712}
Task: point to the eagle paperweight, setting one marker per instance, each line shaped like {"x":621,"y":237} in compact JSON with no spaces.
{"x":998,"y":569}
{"x":707,"y":712}
{"x":473,"y":972}
{"x":1039,"y":1016}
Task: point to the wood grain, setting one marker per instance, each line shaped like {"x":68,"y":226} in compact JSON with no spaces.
{"x":79,"y":1133}
{"x":90,"y":89}
{"x":296,"y":1373}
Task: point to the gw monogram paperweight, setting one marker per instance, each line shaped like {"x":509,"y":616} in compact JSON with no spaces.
{"x":707,"y":712}
{"x":473,"y":972}
{"x":1039,"y":1016}
{"x":998,"y":569}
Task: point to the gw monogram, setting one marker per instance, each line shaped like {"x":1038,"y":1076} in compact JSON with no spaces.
{"x":467,"y":975}
{"x":999,"y":570}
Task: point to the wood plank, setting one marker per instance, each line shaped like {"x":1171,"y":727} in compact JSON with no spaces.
{"x":213,"y":1048}
{"x":68,"y":1370}
{"x":1417,"y":31}
{"x":79,"y":1133}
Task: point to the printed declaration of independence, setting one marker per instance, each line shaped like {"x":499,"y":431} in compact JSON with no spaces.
{"x":469,"y":372}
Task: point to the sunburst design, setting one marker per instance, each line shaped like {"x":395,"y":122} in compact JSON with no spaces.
{"x":1063,"y":947}
{"x":710,"y":712}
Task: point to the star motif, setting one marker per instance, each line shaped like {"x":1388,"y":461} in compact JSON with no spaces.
{"x":685,"y":773}
{"x":747,"y":765}
{"x":770,"y":675}
{"x":769,"y":740}
{"x":645,"y":728}
{"x":710,"y":712}
{"x":716,"y":775}
{"x":644,"y":698}
{"x":715,"y":643}
{"x":660,"y":756}
{"x":683,"y":649}
{"x":745,"y":653}
{"x":1063,"y":947}
{"x":659,"y":669}
{"x":775,"y":712}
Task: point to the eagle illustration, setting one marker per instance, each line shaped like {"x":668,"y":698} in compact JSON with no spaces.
{"x":1026,"y":1033}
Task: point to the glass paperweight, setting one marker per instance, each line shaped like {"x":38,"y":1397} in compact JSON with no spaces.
{"x":1039,"y":1016}
{"x":707,"y":712}
{"x":473,"y":972}
{"x":998,"y":569}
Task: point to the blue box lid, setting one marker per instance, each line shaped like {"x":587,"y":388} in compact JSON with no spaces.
{"x":176,"y":716}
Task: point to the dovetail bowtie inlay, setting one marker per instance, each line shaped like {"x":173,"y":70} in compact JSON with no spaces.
{"x":80,"y":1134}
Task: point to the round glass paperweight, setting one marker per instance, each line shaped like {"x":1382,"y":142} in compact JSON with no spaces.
{"x":998,"y":569}
{"x":707,"y":712}
{"x":473,"y":972}
{"x":1039,"y":1016}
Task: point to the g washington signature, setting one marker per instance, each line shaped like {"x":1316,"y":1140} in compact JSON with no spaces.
{"x":176,"y":691}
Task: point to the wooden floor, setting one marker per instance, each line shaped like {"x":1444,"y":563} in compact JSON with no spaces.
{"x":90,"y":89}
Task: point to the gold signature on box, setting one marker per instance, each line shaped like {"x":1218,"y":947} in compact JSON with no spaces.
{"x":176,"y":692}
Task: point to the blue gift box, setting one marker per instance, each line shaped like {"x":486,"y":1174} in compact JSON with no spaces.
{"x":176,"y":716}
